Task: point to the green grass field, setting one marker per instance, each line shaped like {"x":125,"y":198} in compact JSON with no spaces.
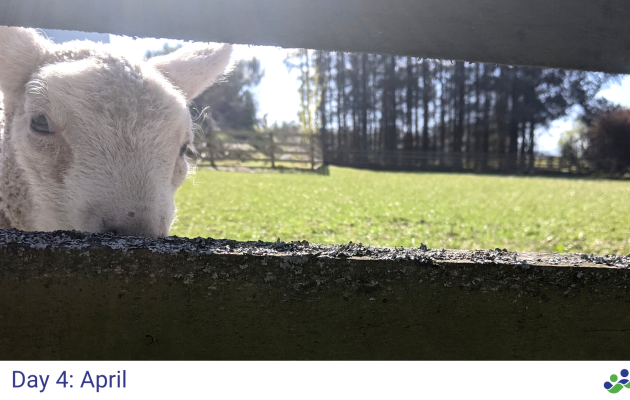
{"x":453,"y":211}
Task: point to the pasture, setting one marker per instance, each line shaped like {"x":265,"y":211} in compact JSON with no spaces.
{"x":456,"y":211}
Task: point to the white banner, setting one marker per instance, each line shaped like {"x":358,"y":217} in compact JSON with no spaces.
{"x":313,"y":380}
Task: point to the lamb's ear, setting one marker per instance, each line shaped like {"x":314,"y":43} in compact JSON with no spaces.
{"x":194,"y":67}
{"x":21,"y":53}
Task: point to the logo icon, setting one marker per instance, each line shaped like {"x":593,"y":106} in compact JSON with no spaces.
{"x":615,"y":385}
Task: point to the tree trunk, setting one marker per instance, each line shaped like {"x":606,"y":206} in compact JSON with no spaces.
{"x":322,"y":80}
{"x":344,"y":106}
{"x":515,"y":114}
{"x":389,"y":104}
{"x":364,"y":106}
{"x":485,"y":148}
{"x":408,"y":141}
{"x":477,"y":135}
{"x":426,"y":86}
{"x":442,"y":108}
{"x":460,"y":103}
{"x":501,"y":111}
{"x":340,"y":95}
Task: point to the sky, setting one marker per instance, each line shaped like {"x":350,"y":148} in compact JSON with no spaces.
{"x":278,"y":91}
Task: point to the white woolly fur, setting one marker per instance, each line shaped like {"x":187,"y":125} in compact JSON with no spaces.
{"x":111,"y":158}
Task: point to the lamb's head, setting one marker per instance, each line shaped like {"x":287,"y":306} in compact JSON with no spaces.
{"x":99,"y":140}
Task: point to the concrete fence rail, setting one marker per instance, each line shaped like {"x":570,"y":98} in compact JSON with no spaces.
{"x":67,"y":295}
{"x":575,"y":34}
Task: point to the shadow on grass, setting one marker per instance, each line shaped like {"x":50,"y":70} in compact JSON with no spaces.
{"x":325,"y":171}
{"x":280,"y":169}
{"x":597,"y":176}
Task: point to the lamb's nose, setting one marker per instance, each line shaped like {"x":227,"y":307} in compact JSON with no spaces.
{"x":111,"y":230}
{"x":132,"y":224}
{"x":133,"y":230}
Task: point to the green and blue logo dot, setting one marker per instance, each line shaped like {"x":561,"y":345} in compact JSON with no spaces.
{"x":615,"y":385}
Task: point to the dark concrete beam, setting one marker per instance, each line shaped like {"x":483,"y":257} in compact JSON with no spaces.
{"x":575,"y":34}
{"x":69,"y":296}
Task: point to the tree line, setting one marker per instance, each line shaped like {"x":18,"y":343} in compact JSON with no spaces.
{"x":382,"y":102}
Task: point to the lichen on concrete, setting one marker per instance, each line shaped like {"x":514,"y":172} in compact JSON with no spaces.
{"x":296,"y":252}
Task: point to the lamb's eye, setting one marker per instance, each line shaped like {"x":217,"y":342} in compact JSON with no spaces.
{"x":39,"y":124}
{"x":182,"y":151}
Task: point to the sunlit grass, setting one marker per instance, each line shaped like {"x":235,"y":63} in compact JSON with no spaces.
{"x":404,"y":209}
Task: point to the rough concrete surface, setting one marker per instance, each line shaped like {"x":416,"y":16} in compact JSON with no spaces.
{"x":68,"y":295}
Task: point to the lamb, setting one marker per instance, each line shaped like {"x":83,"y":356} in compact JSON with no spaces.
{"x":94,"y":141}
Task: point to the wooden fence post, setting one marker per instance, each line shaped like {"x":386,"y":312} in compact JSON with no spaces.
{"x":271,"y":150}
{"x":312,"y":150}
{"x":211,"y":148}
